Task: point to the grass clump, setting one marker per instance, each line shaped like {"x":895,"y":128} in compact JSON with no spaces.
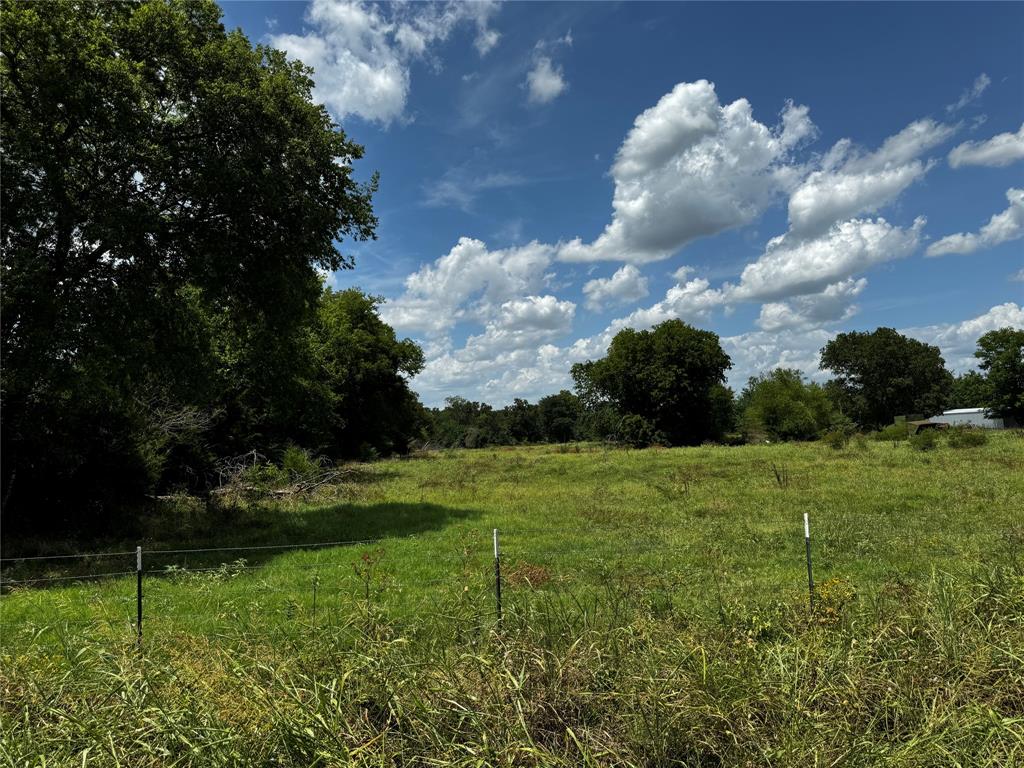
{"x":966,"y":437}
{"x":924,"y":440}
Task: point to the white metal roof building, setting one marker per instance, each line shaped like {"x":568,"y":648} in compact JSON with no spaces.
{"x":974,"y":417}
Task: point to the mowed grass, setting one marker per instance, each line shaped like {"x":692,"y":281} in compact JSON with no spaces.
{"x":655,"y":614}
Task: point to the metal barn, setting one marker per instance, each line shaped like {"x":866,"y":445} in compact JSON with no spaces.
{"x":971,"y":417}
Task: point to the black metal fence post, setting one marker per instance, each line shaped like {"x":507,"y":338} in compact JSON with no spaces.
{"x":497,"y":573}
{"x":810,"y":574}
{"x":138,"y":596}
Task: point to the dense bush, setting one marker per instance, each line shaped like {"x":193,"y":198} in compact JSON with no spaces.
{"x":966,"y":437}
{"x":782,"y":406}
{"x":638,"y":432}
{"x":924,"y":440}
{"x":894,"y":433}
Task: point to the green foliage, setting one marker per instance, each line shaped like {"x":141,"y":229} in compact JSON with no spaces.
{"x":668,"y":376}
{"x":966,"y":437}
{"x":782,"y":406}
{"x":638,"y":432}
{"x":883,"y":374}
{"x":559,"y":415}
{"x":1001,"y":356}
{"x":170,"y":192}
{"x":970,"y":390}
{"x":836,"y":439}
{"x":357,"y":391}
{"x":924,"y":440}
{"x":893,"y":433}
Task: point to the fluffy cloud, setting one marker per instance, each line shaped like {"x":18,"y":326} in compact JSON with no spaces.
{"x":525,"y":323}
{"x":852,"y":183}
{"x":791,"y":266}
{"x":361,"y":53}
{"x":470,"y":282}
{"x":692,"y":167}
{"x":625,"y":286}
{"x":545,"y":82}
{"x":833,"y":304}
{"x":1001,"y":150}
{"x":757,"y":352}
{"x":981,"y":82}
{"x":1002,"y":227}
{"x":959,"y":340}
{"x":691,"y":301}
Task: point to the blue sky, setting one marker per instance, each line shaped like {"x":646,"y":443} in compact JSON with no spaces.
{"x":551,"y":173}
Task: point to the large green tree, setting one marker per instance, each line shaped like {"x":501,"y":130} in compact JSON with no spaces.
{"x":1001,"y":356}
{"x":169,"y":192}
{"x":359,"y":382}
{"x":671,"y":375}
{"x":782,"y":406}
{"x":970,"y":390}
{"x":884,"y":374}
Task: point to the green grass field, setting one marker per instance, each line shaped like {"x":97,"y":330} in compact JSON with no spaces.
{"x":655,"y":614}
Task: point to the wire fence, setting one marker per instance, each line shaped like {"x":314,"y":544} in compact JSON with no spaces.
{"x":126,"y":591}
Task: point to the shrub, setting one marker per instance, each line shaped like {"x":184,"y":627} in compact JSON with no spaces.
{"x":967,"y":437}
{"x":638,"y":432}
{"x":836,"y":439}
{"x":925,"y":440}
{"x":893,"y":432}
{"x":299,"y":463}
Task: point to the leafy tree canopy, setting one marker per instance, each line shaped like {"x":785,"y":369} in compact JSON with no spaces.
{"x":970,"y":390}
{"x":883,"y":374}
{"x":169,"y":193}
{"x":1001,"y":357}
{"x":671,"y":375}
{"x":782,"y":406}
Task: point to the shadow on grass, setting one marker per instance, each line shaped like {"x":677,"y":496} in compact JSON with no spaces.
{"x":229,"y":532}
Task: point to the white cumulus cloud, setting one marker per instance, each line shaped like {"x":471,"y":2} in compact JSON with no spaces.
{"x":1001,"y":228}
{"x":852,"y":183}
{"x":470,"y":282}
{"x":545,"y":82}
{"x":792,"y":266}
{"x":999,"y":151}
{"x":361,"y":53}
{"x":833,"y":304}
{"x":625,"y":286}
{"x":692,"y":167}
{"x":958,"y":341}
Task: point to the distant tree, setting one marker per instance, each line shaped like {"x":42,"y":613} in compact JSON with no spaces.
{"x":559,"y":415}
{"x":970,"y":390}
{"x":523,"y":421}
{"x":1001,"y":356}
{"x":883,"y":374}
{"x":783,"y":406}
{"x":667,"y":375}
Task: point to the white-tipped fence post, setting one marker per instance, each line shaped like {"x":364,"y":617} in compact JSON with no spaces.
{"x":138,"y":596}
{"x":497,"y":573}
{"x":810,"y":574}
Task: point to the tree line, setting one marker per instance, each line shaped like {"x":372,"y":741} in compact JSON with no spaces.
{"x":666,"y":386}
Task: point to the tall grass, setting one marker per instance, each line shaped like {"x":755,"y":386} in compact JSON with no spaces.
{"x":655,"y":615}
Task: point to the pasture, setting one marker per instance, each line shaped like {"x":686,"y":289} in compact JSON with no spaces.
{"x":655,"y":613}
